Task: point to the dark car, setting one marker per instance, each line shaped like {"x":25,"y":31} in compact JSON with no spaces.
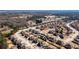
{"x":34,"y":41}
{"x":61,"y":36}
{"x":39,"y":44}
{"x":68,"y":46}
{"x":19,"y":46}
{"x":51,"y":39}
{"x":59,"y":43}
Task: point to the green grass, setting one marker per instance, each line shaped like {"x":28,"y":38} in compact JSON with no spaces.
{"x":3,"y":43}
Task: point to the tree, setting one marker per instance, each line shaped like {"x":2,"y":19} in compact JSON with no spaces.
{"x":38,"y":21}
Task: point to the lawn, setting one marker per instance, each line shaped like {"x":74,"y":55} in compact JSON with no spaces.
{"x":2,"y":42}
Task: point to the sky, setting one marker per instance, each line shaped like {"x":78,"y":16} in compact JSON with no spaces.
{"x":39,"y":4}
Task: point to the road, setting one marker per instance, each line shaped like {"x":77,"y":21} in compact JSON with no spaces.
{"x":73,"y":35}
{"x":24,"y":40}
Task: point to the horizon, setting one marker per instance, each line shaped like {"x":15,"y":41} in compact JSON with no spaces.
{"x":52,"y":12}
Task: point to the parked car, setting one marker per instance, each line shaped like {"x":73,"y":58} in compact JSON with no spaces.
{"x":59,"y":43}
{"x":68,"y":46}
